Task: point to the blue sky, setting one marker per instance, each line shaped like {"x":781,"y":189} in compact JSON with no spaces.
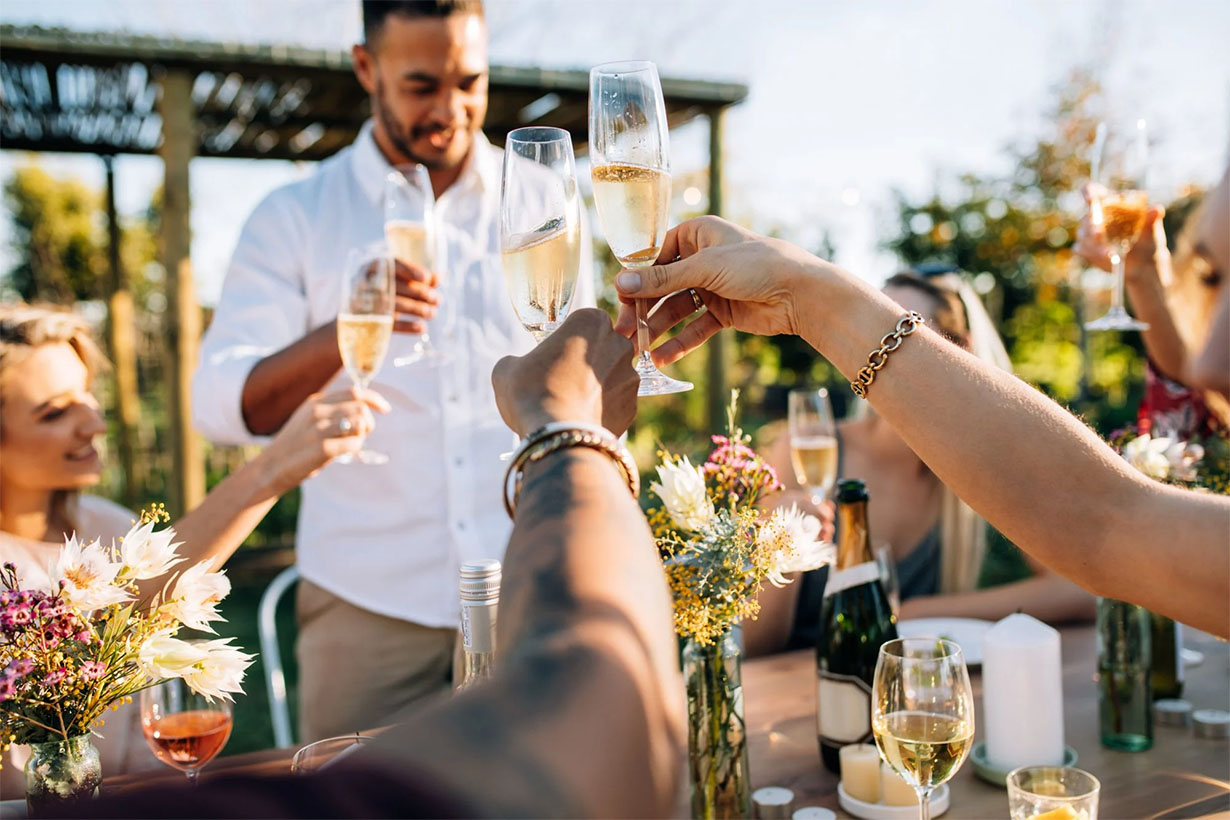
{"x":848,"y":100}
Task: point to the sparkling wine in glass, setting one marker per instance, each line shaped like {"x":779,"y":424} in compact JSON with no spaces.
{"x":1119,"y":164}
{"x":813,"y":441}
{"x":540,"y":227}
{"x":184,"y":729}
{"x":409,"y":231}
{"x":629,"y":154}
{"x":922,"y":712}
{"x":365,"y":323}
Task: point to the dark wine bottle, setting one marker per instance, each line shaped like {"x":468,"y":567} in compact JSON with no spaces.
{"x":855,"y":620}
{"x":1167,"y":671}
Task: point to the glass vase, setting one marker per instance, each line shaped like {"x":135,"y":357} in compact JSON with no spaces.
{"x":1125,"y":655}
{"x":717,"y":741}
{"x":61,"y":774}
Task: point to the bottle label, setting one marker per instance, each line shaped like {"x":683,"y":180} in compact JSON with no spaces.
{"x":478,"y":627}
{"x":843,"y":708}
{"x":852,"y":577}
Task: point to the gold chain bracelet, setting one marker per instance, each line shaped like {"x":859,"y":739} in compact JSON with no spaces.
{"x":906,"y":325}
{"x":552,"y":438}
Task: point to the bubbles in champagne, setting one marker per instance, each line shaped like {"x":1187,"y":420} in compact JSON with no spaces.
{"x":541,"y":269}
{"x":363,"y":341}
{"x":634,"y":208}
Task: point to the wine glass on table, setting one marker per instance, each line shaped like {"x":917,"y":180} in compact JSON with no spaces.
{"x":409,"y":231}
{"x":922,"y":712}
{"x":629,"y":157}
{"x":365,"y":323}
{"x":813,"y":441}
{"x":184,"y":729}
{"x":1119,"y":205}
{"x":540,"y":228}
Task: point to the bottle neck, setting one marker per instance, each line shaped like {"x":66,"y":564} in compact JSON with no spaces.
{"x":854,"y":546}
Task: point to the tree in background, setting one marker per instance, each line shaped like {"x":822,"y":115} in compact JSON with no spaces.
{"x":1015,"y":234}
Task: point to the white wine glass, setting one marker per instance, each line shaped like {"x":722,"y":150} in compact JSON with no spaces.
{"x":410,"y":233}
{"x":183,"y":728}
{"x":1119,"y":165}
{"x":540,"y":227}
{"x":629,"y":154}
{"x":922,"y":712}
{"x":813,"y":441}
{"x":365,"y":323}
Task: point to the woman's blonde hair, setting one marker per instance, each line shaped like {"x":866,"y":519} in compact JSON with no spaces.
{"x":24,"y":329}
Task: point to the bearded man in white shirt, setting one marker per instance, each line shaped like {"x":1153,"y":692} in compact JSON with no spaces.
{"x":379,"y":547}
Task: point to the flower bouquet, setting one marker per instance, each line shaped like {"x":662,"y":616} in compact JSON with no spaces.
{"x":1200,"y":463}
{"x":718,"y":547}
{"x":84,"y":643}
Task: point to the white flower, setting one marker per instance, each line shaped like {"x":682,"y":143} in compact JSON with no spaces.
{"x":1183,"y":458}
{"x":165,"y":656}
{"x":220,"y":670}
{"x":88,"y":574}
{"x":197,"y":593}
{"x":1148,"y":455}
{"x":682,"y":490}
{"x":147,"y":554}
{"x":793,"y":536}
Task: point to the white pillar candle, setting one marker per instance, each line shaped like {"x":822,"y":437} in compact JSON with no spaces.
{"x":860,"y":771}
{"x":1022,"y":694}
{"x":894,"y":791}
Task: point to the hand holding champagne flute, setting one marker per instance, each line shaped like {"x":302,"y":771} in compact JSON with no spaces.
{"x":630,"y":163}
{"x":1120,"y":208}
{"x":409,"y":232}
{"x":922,"y":712}
{"x":365,"y":323}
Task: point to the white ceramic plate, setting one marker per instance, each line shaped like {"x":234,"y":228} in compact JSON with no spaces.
{"x":964,"y":632}
{"x":879,"y":811}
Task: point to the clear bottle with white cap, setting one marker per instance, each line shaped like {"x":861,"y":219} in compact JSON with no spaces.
{"x":480,"y":599}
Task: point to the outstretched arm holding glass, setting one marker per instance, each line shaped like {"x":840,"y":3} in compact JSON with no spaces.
{"x":1057,"y":491}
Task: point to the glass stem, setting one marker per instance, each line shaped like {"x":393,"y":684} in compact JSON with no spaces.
{"x":1116,"y":294}
{"x":642,"y":330}
{"x":924,"y":804}
{"x":192,"y":773}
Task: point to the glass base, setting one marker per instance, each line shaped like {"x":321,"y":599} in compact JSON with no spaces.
{"x":1116,"y":319}
{"x":656,"y":383}
{"x":427,"y":355}
{"x":362,"y":457}
{"x":1126,"y":742}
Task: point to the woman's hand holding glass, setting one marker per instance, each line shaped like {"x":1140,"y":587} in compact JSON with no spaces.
{"x":325,"y":427}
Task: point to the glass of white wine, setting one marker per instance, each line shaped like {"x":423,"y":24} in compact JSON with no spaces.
{"x":922,"y":712}
{"x":365,"y":323}
{"x":813,"y":441}
{"x":629,"y":153}
{"x":409,"y":232}
{"x":540,"y":226}
{"x":1119,"y":165}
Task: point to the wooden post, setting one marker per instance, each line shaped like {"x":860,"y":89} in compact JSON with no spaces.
{"x":121,"y":339}
{"x":179,"y":143}
{"x":717,"y":393}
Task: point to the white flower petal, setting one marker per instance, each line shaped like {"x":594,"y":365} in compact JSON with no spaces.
{"x":681,"y":487}
{"x":148,"y":554}
{"x":196,"y":595}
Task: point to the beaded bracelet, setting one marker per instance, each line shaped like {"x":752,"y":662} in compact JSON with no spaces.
{"x":906,"y":325}
{"x":560,"y":435}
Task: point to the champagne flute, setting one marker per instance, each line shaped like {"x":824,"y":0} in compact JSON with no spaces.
{"x":409,"y":231}
{"x":184,"y":729}
{"x":630,"y":164}
{"x":813,"y":441}
{"x":540,"y":227}
{"x":1119,"y":164}
{"x":365,"y":323}
{"x":922,"y":712}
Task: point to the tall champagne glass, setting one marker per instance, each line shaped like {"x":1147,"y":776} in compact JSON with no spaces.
{"x":184,"y":729}
{"x":629,"y":156}
{"x":1119,"y":165}
{"x":922,"y":712}
{"x":365,"y":323}
{"x":540,"y":227}
{"x":410,"y":232}
{"x":813,"y":441}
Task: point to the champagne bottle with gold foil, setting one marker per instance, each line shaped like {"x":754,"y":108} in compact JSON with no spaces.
{"x":855,"y":619}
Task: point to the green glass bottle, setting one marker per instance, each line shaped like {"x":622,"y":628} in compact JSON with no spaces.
{"x":855,"y":620}
{"x":1167,"y":671}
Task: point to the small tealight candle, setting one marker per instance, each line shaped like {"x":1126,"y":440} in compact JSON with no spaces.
{"x":860,"y":771}
{"x":894,"y":790}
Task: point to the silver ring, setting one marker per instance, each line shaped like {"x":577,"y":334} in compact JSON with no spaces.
{"x":696,"y":300}
{"x":345,"y":426}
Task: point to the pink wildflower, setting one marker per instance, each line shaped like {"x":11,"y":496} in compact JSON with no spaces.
{"x":92,"y":670}
{"x":55,"y":677}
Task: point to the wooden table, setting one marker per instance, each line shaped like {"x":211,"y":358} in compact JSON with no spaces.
{"x":1181,"y":776}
